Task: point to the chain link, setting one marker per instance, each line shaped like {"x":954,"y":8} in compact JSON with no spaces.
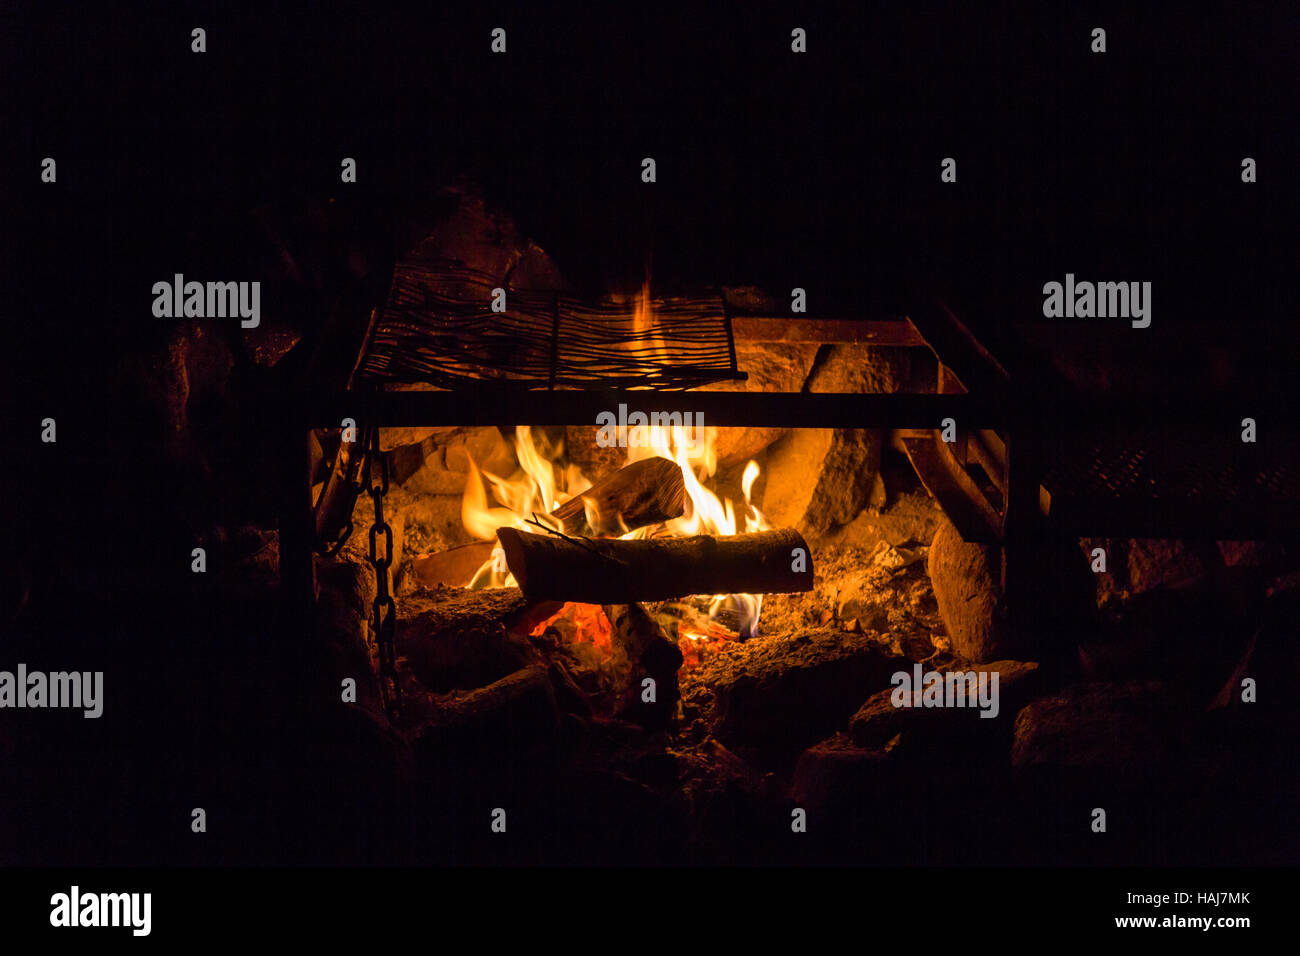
{"x":384,"y":609}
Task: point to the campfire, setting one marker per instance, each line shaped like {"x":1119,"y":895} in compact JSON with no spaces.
{"x":544,"y":520}
{"x":623,"y":556}
{"x":644,"y":569}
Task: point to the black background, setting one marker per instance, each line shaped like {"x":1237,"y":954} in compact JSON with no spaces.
{"x":818,"y":170}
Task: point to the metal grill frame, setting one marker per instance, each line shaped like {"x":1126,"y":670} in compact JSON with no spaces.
{"x":437,"y":329}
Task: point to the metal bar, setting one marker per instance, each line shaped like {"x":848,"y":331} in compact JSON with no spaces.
{"x":949,"y":383}
{"x":992,"y":467}
{"x":827,"y":331}
{"x":956,"y":346}
{"x":727,"y":324}
{"x":1132,"y":518}
{"x":779,"y":409}
{"x":944,"y":477}
{"x":555,"y":339}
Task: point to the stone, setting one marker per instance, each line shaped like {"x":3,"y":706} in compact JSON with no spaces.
{"x":966,"y":580}
{"x":392,"y":438}
{"x":1158,"y":562}
{"x":771,"y":366}
{"x":873,"y":369}
{"x":878,"y":720}
{"x":1190,"y":639}
{"x":864,"y":602}
{"x":736,"y":446}
{"x":482,"y":236}
{"x":777,"y":695}
{"x":447,"y":453}
{"x":1127,"y":727}
{"x":836,"y":772}
{"x":750,"y":299}
{"x":817,"y":478}
{"x":1248,"y":554}
{"x":912,"y":518}
{"x":422,"y":524}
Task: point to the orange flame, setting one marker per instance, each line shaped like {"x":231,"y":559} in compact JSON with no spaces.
{"x":540,"y":486}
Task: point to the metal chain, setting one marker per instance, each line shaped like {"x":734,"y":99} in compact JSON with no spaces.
{"x":384,"y":609}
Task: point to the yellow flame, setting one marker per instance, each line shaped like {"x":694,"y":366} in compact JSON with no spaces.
{"x":537,"y":488}
{"x":530,"y":495}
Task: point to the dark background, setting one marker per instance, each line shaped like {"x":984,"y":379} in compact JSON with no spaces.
{"x":818,"y":170}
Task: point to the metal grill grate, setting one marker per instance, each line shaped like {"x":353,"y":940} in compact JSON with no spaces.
{"x":1173,"y":467}
{"x":438,"y":328}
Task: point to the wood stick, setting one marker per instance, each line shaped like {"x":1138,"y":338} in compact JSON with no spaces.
{"x":611,"y":571}
{"x":642,"y":493}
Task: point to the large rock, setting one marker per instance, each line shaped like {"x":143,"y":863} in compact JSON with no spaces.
{"x":777,"y":695}
{"x":878,"y":720}
{"x":343,"y":608}
{"x":735,"y":446}
{"x":818,"y":478}
{"x":835,"y":774}
{"x":1163,"y":563}
{"x":430,"y":523}
{"x":392,"y":438}
{"x":967,"y":586}
{"x":873,"y":369}
{"x":912,"y":517}
{"x":445,"y":455}
{"x":772,"y":366}
{"x":1135,"y":566}
{"x":1122,"y":728}
{"x":475,"y":232}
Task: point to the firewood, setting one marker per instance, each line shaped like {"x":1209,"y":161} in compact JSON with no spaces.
{"x":641,"y":650}
{"x":643,"y":493}
{"x":611,"y":571}
{"x":462,"y":638}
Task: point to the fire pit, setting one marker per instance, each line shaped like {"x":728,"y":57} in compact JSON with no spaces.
{"x":681,"y":549}
{"x":634,"y":545}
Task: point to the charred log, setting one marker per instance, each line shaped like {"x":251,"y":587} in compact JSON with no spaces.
{"x":641,"y":650}
{"x":599,"y":571}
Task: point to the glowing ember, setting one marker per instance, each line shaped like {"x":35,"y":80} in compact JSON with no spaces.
{"x":579,"y":624}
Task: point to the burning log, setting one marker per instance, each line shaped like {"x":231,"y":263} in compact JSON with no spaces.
{"x":604,"y":571}
{"x":642,"y":650}
{"x":643,"y":493}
